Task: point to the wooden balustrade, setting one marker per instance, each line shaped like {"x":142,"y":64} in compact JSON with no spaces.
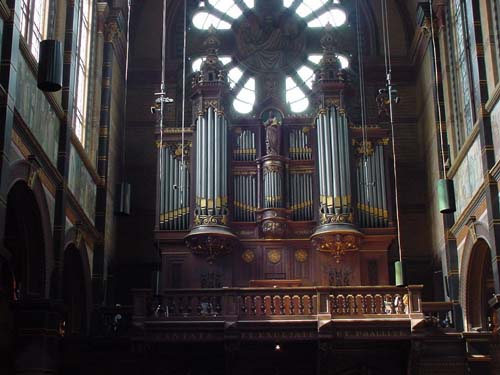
{"x":279,"y":303}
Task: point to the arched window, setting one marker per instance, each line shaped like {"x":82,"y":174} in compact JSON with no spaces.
{"x":270,"y":51}
{"x":34,"y":23}
{"x":82,"y":69}
{"x":461,"y":71}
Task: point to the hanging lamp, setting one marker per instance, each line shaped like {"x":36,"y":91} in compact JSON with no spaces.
{"x":445,"y":186}
{"x":50,"y":66}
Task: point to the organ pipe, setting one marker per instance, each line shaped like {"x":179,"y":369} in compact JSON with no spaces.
{"x":334,"y":166}
{"x":174,"y":195}
{"x":211,"y":187}
{"x":372,"y":194}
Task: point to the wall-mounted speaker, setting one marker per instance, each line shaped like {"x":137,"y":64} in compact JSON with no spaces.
{"x":50,"y":66}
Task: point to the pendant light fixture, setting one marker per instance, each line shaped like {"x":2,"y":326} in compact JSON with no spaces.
{"x":50,"y":65}
{"x":445,"y":188}
{"x":392,"y":93}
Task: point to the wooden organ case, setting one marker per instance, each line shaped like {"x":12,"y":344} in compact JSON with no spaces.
{"x":274,"y":199}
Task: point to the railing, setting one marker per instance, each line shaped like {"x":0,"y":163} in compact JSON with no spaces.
{"x":279,"y":303}
{"x":441,"y":313}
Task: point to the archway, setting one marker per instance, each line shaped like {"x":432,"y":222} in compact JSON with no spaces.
{"x":480,"y":287}
{"x":24,"y":240}
{"x":23,"y":274}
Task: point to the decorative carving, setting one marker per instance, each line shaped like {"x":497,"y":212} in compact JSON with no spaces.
{"x":111,"y":31}
{"x":336,"y":244}
{"x":274,"y":256}
{"x":210,"y":220}
{"x":363,"y":147}
{"x":248,"y":256}
{"x":271,"y":86}
{"x":329,"y":66}
{"x":334,"y":218}
{"x":268,"y":44}
{"x":339,"y":276}
{"x":301,"y":255}
{"x":272,"y":122}
{"x":274,"y":228}
{"x":211,"y":245}
{"x":176,"y":150}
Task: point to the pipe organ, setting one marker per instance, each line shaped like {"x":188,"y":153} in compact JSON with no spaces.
{"x":334,"y":165}
{"x":277,"y":187}
{"x":211,"y":171}
{"x":174,"y":188}
{"x":299,"y":144}
{"x":300,"y":193}
{"x":245,"y":196}
{"x":244,"y":149}
{"x":372,"y":210}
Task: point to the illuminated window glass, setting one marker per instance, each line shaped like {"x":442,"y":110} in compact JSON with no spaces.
{"x":226,"y":6}
{"x":316,"y":59}
{"x":33,"y":23}
{"x":295,"y":96}
{"x":196,"y":64}
{"x":203,"y":21}
{"x":334,"y":17}
{"x":245,"y":99}
{"x":82,"y":70}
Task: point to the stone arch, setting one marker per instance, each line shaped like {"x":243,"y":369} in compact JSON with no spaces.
{"x":476,"y":281}
{"x":76,"y":283}
{"x":29,"y":214}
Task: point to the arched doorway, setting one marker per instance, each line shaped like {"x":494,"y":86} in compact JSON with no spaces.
{"x":24,"y":240}
{"x":22,"y":274}
{"x":75,"y":293}
{"x":480,"y":287}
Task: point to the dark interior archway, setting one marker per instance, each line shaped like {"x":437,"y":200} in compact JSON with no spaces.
{"x":74,"y":291}
{"x":25,"y":241}
{"x":22,"y":276}
{"x":480,"y":287}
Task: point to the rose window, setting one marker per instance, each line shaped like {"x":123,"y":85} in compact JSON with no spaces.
{"x":270,"y":48}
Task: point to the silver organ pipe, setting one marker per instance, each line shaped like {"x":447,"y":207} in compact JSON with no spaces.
{"x":245,"y":196}
{"x":211,"y":167}
{"x":174,"y":213}
{"x":334,"y":164}
{"x":372,"y":194}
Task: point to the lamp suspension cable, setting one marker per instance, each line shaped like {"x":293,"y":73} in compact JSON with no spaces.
{"x":436,"y":92}
{"x":388,"y":72}
{"x":124,"y":134}
{"x":183,"y":117}
{"x":361,"y":73}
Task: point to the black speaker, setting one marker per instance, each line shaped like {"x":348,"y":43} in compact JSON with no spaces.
{"x":122,"y":199}
{"x":50,"y":67}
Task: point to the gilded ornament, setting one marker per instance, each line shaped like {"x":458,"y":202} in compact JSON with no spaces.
{"x":300,"y":255}
{"x":248,"y":256}
{"x":274,"y":256}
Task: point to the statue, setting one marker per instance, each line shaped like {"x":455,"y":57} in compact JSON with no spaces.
{"x":273,"y":132}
